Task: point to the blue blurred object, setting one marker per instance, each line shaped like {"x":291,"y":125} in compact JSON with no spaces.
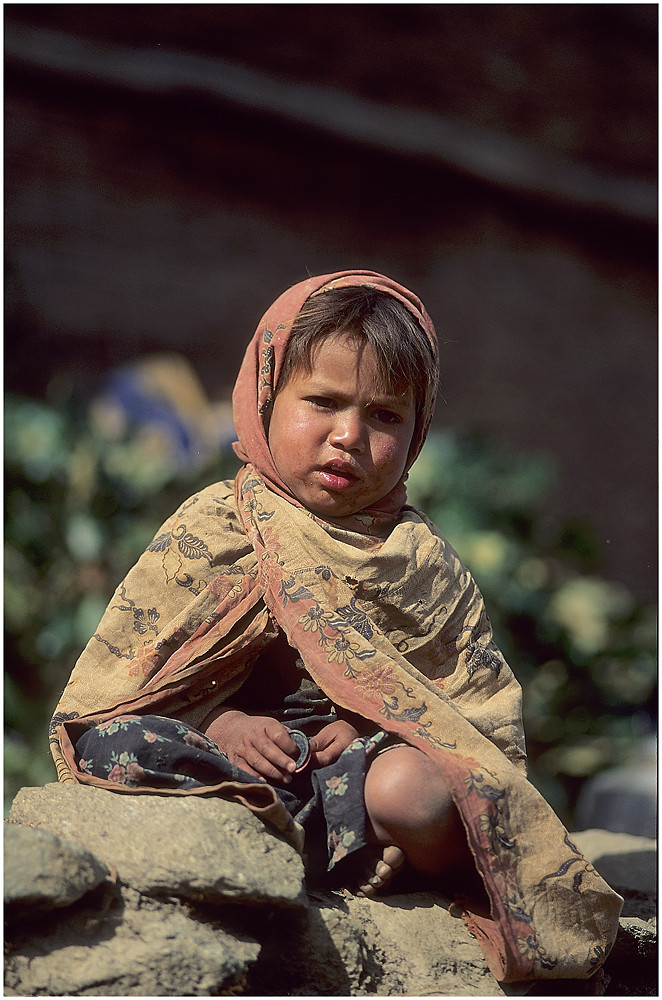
{"x":160,"y":397}
{"x":124,"y":387}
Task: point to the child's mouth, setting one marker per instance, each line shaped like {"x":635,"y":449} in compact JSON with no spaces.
{"x":337,"y":477}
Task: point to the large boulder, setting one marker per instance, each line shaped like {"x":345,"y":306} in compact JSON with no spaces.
{"x":623,"y":799}
{"x":163,"y":896}
{"x":195,"y":848}
{"x":132,"y":946}
{"x":44,"y":872}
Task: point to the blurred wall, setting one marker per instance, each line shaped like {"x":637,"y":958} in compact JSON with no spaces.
{"x":169,"y":169}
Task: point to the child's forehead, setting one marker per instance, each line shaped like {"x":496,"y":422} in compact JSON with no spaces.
{"x":343,"y":348}
{"x":346,"y":351}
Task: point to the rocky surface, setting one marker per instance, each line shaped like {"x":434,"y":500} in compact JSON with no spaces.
{"x":114,"y":895}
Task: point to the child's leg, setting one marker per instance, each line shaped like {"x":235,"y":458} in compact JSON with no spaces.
{"x":410,"y":807}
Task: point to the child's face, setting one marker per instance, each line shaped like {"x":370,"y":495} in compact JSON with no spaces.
{"x":338,"y":442}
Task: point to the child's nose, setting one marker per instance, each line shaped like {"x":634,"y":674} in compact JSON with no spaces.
{"x":348,"y":431}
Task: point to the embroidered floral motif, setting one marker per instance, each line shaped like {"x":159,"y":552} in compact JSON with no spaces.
{"x":337,"y":785}
{"x":578,"y":876}
{"x":124,"y":769}
{"x":342,"y":651}
{"x":114,"y":649}
{"x":561,"y":870}
{"x":116,"y":725}
{"x":392,"y":710}
{"x":496,"y":833}
{"x":143,"y":621}
{"x":188,"y":582}
{"x":153,"y":737}
{"x":314,"y":619}
{"x":476,"y":783}
{"x":530,"y":948}
{"x":190,"y":546}
{"x":236,"y":590}
{"x":57,"y":720}
{"x":516,"y":910}
{"x":351,"y":616}
{"x":254,"y":506}
{"x":478,"y":656}
{"x":378,"y":680}
{"x":194,"y":739}
{"x":325,"y":572}
{"x":569,"y":843}
{"x":598,"y":954}
{"x":191,"y":502}
{"x":339,"y":842}
{"x":288,"y":594}
{"x":424,"y":732}
{"x":177,"y":545}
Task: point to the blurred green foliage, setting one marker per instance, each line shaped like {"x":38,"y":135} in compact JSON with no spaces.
{"x":84,"y":496}
{"x":583,"y":648}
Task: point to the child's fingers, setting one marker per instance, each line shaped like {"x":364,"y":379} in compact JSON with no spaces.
{"x":266,"y":754}
{"x":335,"y":733}
{"x":321,"y":741}
{"x":330,"y":742}
{"x":282,"y":753}
{"x":329,"y":752}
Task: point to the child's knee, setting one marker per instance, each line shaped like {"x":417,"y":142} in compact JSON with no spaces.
{"x":405,"y":787}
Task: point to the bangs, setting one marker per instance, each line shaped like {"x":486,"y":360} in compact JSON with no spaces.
{"x":403,"y":353}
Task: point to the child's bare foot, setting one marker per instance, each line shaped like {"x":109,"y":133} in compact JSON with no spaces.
{"x":378,"y":865}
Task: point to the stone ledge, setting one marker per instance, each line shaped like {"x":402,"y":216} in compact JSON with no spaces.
{"x":207,"y":901}
{"x":195,"y":848}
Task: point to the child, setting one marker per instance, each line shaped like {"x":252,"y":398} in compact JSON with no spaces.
{"x":307,"y":597}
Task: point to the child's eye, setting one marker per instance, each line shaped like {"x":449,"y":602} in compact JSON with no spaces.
{"x":322,"y":401}
{"x":387,"y":417}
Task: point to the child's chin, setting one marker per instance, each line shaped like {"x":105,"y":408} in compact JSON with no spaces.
{"x":332,"y":510}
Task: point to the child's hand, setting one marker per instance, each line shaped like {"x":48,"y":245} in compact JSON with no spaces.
{"x":255,"y":743}
{"x":330,"y":742}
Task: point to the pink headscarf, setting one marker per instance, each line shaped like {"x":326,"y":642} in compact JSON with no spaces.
{"x":256,"y":383}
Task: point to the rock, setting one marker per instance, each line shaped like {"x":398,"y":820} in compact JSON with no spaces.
{"x":191,"y":846}
{"x":623,"y":799}
{"x":43,"y":872}
{"x":135,"y":948}
{"x":627,"y":863}
{"x":210,"y":902}
{"x":400,"y":945}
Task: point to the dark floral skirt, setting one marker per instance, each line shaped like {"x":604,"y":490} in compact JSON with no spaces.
{"x":156,"y":752}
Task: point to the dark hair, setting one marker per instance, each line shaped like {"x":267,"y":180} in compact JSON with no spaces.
{"x":403,"y":352}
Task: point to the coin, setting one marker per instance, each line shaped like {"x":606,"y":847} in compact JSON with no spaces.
{"x":303,"y":747}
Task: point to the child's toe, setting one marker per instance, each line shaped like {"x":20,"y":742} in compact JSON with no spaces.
{"x":383,"y":866}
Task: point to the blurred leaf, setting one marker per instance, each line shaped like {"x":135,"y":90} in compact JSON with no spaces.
{"x":35,"y":439}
